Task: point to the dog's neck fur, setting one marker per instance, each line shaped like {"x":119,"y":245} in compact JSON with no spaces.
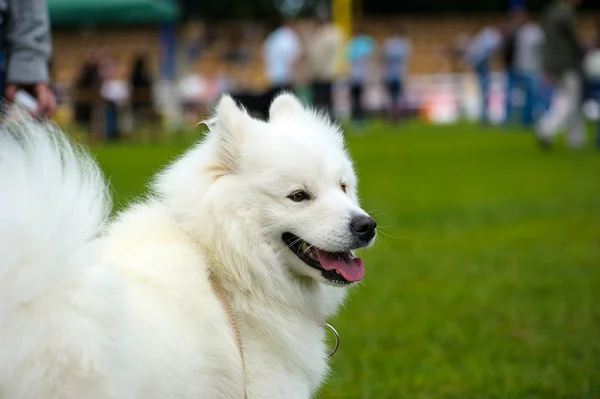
{"x":290,"y":316}
{"x":307,"y":298}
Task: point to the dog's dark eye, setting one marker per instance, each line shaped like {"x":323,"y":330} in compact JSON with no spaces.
{"x":299,"y":196}
{"x":344,"y":187}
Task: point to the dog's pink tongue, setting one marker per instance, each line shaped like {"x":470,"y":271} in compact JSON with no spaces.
{"x":352,"y":269}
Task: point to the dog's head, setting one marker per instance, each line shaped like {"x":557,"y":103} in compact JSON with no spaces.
{"x":283,"y":192}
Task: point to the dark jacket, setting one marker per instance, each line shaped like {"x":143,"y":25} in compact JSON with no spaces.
{"x":561,"y":51}
{"x":27,"y":40}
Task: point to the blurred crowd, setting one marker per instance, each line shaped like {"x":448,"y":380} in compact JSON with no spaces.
{"x":320,"y":56}
{"x":546,"y":71}
{"x":546,"y":67}
{"x":98,"y":97}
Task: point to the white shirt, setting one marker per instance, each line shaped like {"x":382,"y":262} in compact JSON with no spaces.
{"x":280,"y":52}
{"x":483,"y":45}
{"x":591,"y":64}
{"x":326,"y":44}
{"x":528,"y":42}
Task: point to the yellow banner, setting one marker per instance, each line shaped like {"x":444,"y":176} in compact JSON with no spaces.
{"x":342,"y":16}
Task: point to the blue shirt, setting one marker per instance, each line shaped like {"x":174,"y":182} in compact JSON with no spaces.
{"x":396,"y":54}
{"x":360,"y":51}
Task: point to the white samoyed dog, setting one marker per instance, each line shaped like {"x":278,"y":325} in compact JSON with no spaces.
{"x":216,"y":286}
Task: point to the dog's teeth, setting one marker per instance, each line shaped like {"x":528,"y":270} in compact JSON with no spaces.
{"x":337,"y":271}
{"x":304,"y":247}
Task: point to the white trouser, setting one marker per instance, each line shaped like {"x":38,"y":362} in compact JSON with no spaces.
{"x":565,"y":111}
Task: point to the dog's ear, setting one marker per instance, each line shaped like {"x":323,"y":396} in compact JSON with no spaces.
{"x":285,"y":103}
{"x":231,"y":122}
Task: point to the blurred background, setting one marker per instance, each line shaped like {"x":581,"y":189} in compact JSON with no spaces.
{"x":485,"y":280}
{"x":167,"y":61}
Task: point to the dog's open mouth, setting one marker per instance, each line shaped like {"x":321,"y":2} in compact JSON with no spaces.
{"x":337,"y":267}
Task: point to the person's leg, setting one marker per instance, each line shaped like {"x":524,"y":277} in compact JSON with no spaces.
{"x":565,"y":111}
{"x":400,"y":101}
{"x":598,"y":134}
{"x":389,"y":86}
{"x":394,"y":98}
{"x":547,"y":91}
{"x":483,"y":75}
{"x":577,"y":132}
{"x":512,"y":81}
{"x":322,"y":96}
{"x":314,"y":93}
{"x":527,"y":82}
{"x":575,"y":123}
{"x":359,"y":103}
{"x":597,"y":97}
{"x":328,"y":98}
{"x":558,"y":113}
{"x":538,"y":97}
{"x":354,"y":101}
{"x":112,"y":126}
{"x":598,"y":130}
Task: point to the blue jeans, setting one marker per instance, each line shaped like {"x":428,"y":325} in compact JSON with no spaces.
{"x":112,"y":121}
{"x":596,"y":94}
{"x":592,"y":92}
{"x":483,"y":74}
{"x":546,"y":92}
{"x":511,"y":83}
{"x":530,"y":84}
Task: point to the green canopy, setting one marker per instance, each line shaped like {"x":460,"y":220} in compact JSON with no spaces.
{"x":82,"y":12}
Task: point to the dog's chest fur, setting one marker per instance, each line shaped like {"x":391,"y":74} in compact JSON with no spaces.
{"x":285,"y":355}
{"x":284,"y":350}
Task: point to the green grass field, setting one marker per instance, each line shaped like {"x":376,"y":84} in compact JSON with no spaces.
{"x":485,"y":281}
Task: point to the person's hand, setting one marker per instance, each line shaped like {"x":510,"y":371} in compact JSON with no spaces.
{"x":42,"y":93}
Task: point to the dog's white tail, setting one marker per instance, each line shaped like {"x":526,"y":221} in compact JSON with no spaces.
{"x":53,"y":202}
{"x":57,"y":322}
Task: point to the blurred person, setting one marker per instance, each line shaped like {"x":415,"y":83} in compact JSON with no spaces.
{"x":396,"y":54}
{"x":562,"y":57}
{"x":478,"y":55}
{"x":140,"y":77}
{"x":140,"y":83}
{"x":281,"y":51}
{"x":361,"y":50}
{"x":592,"y":73}
{"x":88,"y":82}
{"x":112,"y":92}
{"x":26,"y":50}
{"x":508,"y":53}
{"x":454,"y":54}
{"x":323,"y":57}
{"x":527,"y":66}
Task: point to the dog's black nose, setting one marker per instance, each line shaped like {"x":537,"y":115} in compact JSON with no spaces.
{"x":363,"y":227}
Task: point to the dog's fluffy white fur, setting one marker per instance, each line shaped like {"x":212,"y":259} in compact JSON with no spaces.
{"x":124,"y":309}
